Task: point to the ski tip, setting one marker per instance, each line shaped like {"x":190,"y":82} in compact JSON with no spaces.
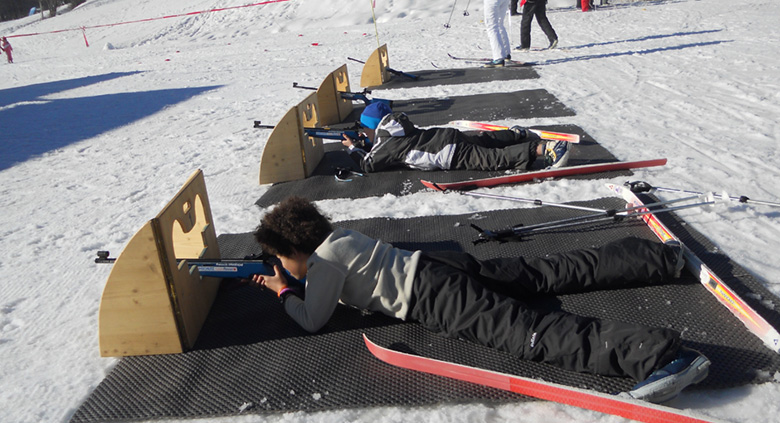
{"x":432,"y":185}
{"x":375,"y":349}
{"x":367,"y":341}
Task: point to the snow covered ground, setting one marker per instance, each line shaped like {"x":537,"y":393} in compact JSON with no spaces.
{"x":94,"y":141}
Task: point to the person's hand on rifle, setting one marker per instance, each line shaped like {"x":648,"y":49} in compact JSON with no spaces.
{"x":348,"y":141}
{"x":275,"y":283}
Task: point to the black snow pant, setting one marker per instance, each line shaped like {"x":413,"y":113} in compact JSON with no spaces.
{"x":494,"y":150}
{"x":536,"y":8}
{"x":490,"y":302}
{"x":513,"y":7}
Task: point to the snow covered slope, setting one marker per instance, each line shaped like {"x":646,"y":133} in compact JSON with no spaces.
{"x":94,"y":141}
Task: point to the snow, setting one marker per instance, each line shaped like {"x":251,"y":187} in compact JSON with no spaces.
{"x":94,"y":141}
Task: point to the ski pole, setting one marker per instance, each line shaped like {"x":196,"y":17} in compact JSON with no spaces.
{"x":447,"y":25}
{"x":537,"y":202}
{"x":529,"y":200}
{"x":603,"y":216}
{"x":641,"y":186}
{"x":619,"y":216}
{"x":612,"y":213}
{"x":519,"y":231}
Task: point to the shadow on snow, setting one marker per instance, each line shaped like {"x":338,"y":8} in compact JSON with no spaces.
{"x":35,"y":92}
{"x":645,"y":38}
{"x":629,"y":53}
{"x":40,"y":126}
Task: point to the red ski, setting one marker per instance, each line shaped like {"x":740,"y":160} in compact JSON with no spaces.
{"x":731,"y":300}
{"x":544,"y":134}
{"x":583,"y":398}
{"x":541,"y":174}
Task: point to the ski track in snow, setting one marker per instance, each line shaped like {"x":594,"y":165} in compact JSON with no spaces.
{"x":94,"y":142}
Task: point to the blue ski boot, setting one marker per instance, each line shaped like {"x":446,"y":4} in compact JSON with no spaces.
{"x":498,"y":63}
{"x":689,"y":368}
{"x":556,"y":153}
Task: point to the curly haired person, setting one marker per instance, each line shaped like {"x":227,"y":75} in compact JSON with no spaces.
{"x":485,"y":301}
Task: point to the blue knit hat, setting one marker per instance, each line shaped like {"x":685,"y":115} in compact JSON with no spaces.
{"x":373,"y":113}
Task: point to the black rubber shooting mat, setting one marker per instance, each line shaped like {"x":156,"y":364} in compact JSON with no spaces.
{"x":434,"y":77}
{"x":322,"y":184}
{"x":251,"y":356}
{"x":524,"y":104}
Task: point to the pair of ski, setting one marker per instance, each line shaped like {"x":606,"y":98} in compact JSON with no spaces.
{"x":508,"y":63}
{"x":584,"y":398}
{"x":542,"y":174}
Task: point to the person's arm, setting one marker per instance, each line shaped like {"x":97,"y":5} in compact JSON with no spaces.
{"x":324,"y":283}
{"x":356,"y":152}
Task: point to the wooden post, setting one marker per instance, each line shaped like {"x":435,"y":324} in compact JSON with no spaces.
{"x":290,"y":154}
{"x":332,"y":107}
{"x":375,"y":70}
{"x":151,"y":304}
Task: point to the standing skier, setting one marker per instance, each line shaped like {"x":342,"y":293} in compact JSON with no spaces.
{"x":397,"y":142}
{"x":6,"y":47}
{"x":485,"y":301}
{"x":495,"y":23}
{"x":538,"y":9}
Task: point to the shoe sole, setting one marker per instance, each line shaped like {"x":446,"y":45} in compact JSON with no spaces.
{"x":668,"y":388}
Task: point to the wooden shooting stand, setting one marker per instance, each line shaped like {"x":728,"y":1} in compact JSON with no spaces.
{"x":290,"y":154}
{"x":375,"y":71}
{"x":151,"y":304}
{"x":334,"y":108}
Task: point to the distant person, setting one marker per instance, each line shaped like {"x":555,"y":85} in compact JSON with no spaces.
{"x":6,"y":47}
{"x":586,"y":5}
{"x":495,"y":17}
{"x":395,"y":141}
{"x":513,"y":8}
{"x":537,"y":8}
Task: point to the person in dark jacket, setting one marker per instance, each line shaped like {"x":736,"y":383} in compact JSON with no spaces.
{"x":395,"y":141}
{"x":538,"y":9}
{"x":489,"y":302}
{"x":513,"y":8}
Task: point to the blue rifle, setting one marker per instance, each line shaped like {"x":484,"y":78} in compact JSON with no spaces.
{"x":393,"y":71}
{"x":352,"y":96}
{"x":326,"y":133}
{"x":222,"y":268}
{"x":333,"y":134}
